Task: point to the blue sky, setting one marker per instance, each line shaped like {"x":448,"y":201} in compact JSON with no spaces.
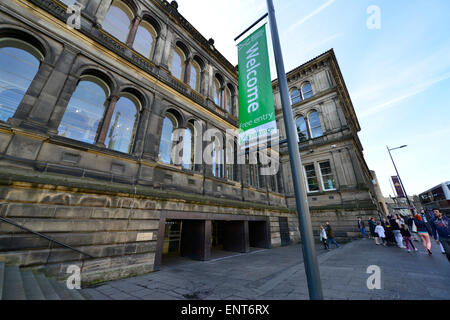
{"x":398,"y":76}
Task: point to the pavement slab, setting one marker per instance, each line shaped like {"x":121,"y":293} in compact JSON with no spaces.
{"x":279,"y":274}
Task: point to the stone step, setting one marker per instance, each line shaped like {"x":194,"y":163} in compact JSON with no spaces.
{"x":47,"y":288}
{"x":32,"y":289}
{"x":2,"y":278}
{"x":13,"y":285}
{"x":61,"y":290}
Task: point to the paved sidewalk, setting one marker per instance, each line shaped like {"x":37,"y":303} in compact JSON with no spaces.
{"x":278,"y":274}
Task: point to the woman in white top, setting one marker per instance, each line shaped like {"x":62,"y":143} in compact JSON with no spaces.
{"x":380,"y":231}
{"x":323,"y":237}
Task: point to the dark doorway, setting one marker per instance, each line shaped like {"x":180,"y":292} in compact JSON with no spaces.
{"x":186,"y":238}
{"x":235,"y":236}
{"x":258,"y":234}
{"x":284,"y":231}
{"x":195,"y":239}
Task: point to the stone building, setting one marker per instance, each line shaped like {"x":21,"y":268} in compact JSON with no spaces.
{"x":88,"y":119}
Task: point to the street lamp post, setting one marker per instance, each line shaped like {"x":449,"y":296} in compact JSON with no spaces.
{"x":398,"y":175}
{"x":309,"y":253}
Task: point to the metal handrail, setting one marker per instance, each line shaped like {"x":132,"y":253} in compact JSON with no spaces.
{"x":44,"y":236}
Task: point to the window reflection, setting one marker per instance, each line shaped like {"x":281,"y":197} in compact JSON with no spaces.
{"x":307,"y":90}
{"x":166,"y":143}
{"x":188,"y":148}
{"x":122,"y":128}
{"x":217,"y":92}
{"x":314,"y":124}
{"x":194,"y":81}
{"x":228,"y":100}
{"x":17,"y":70}
{"x":145,"y":38}
{"x":178,"y":64}
{"x":118,"y":20}
{"x":84,"y":112}
{"x":295,"y":96}
{"x":302,"y":129}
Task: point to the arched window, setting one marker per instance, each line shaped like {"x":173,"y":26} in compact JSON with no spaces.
{"x":218,"y":158}
{"x":194,"y":80}
{"x":188,"y":147}
{"x":228,"y":100}
{"x":178,"y":64}
{"x":295,"y":96}
{"x":123,"y":124}
{"x":19,"y":63}
{"x":302,"y":129}
{"x":217,"y":92}
{"x":85,"y":110}
{"x":314,"y":124}
{"x":118,"y":20}
{"x":307,"y":91}
{"x":166,"y":143}
{"x":144,"y":42}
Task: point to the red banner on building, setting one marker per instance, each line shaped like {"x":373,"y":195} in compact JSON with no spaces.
{"x":398,"y":187}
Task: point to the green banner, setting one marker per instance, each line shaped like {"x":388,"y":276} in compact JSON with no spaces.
{"x":256,"y":108}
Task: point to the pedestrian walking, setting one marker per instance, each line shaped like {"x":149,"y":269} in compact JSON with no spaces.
{"x":381,"y":234}
{"x":362,"y":227}
{"x":395,"y":226}
{"x":407,"y":237}
{"x":323,"y":237}
{"x":441,"y":230}
{"x":423,"y":232}
{"x":330,"y":235}
{"x":412,"y":227}
{"x":372,"y":226}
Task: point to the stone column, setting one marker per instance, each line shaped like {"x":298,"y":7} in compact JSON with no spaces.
{"x":132,"y":34}
{"x":141,"y":136}
{"x":102,"y":9}
{"x":61,"y":105}
{"x":101,"y":137}
{"x":46,"y":103}
{"x":187,"y":71}
{"x":167,"y":52}
{"x":153,"y":132}
{"x":32,"y":94}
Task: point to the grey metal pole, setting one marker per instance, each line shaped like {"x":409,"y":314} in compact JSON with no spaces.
{"x":304,"y":219}
{"x":401,"y":183}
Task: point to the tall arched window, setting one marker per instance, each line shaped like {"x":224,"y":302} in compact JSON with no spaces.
{"x":307,"y":91}
{"x":217,"y":92}
{"x":85,"y":110}
{"x":166,"y":143}
{"x":123,"y":124}
{"x":218,"y":158}
{"x":295,"y":96}
{"x":302,"y":129}
{"x":188,"y":147}
{"x":19,"y":63}
{"x":178,"y":64}
{"x":144,"y":42}
{"x":228,"y":100}
{"x":194,"y":80}
{"x":118,"y":20}
{"x":314,"y":124}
